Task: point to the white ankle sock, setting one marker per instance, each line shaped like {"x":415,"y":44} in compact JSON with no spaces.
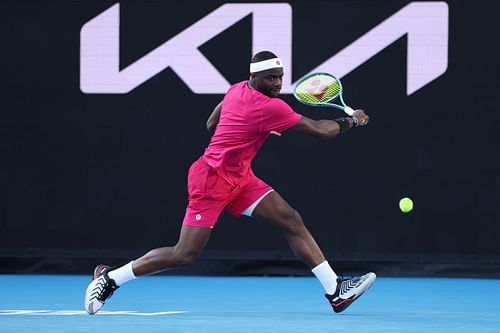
{"x":122,"y":274}
{"x":326,"y":276}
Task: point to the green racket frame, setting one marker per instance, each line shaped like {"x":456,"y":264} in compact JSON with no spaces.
{"x":344,"y":107}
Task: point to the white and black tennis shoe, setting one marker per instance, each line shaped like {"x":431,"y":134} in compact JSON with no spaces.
{"x":99,"y":290}
{"x":348,"y":290}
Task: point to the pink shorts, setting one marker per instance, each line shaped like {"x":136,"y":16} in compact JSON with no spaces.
{"x":209,"y":194}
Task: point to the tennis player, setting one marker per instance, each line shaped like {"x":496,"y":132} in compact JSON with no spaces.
{"x":222,"y":179}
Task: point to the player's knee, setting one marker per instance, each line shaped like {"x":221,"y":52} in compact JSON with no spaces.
{"x":291,"y":220}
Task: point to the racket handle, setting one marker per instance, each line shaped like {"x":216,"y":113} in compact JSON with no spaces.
{"x":349,"y":110}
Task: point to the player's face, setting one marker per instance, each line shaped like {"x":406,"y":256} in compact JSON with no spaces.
{"x":268,"y":82}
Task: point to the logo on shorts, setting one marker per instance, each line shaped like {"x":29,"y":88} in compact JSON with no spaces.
{"x":198,"y":217}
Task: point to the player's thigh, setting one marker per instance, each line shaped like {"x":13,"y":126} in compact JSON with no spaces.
{"x":192,"y":240}
{"x":275,"y":209}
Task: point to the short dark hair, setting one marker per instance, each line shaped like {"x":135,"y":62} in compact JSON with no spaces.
{"x":263,"y":55}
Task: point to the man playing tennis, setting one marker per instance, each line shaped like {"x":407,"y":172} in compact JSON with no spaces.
{"x":222,"y":179}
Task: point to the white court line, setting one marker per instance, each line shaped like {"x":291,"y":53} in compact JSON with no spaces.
{"x":81,"y":312}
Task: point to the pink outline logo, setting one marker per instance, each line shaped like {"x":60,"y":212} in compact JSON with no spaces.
{"x":425,"y":24}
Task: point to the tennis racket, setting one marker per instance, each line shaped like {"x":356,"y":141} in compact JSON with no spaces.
{"x":318,"y":89}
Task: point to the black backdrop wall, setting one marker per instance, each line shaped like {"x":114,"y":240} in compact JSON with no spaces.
{"x":88,"y":176}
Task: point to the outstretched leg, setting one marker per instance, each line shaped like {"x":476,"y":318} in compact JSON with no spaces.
{"x":275,"y":209}
{"x":341,"y":293}
{"x":192,"y":241}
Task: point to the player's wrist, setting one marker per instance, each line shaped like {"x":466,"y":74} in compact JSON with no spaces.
{"x":345,"y":124}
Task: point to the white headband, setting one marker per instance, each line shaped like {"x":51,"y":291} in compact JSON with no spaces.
{"x":265,"y":65}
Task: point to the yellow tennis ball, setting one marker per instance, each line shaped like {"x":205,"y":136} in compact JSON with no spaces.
{"x":406,"y":205}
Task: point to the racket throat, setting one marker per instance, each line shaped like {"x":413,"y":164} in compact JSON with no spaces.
{"x":348,"y":110}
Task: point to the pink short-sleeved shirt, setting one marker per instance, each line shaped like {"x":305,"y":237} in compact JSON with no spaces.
{"x":246,"y":120}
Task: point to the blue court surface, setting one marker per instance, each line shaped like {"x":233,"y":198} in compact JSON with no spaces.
{"x":40,"y":303}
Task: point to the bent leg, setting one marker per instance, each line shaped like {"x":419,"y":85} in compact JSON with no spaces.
{"x":275,"y":209}
{"x":192,"y":241}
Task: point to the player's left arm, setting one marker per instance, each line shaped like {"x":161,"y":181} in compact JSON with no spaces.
{"x":324,"y":129}
{"x":213,"y":120}
{"x":327,"y":129}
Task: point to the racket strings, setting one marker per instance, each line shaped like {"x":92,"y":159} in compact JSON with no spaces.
{"x":318,"y":89}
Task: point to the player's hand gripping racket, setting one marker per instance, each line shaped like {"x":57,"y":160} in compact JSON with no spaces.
{"x":318,"y":89}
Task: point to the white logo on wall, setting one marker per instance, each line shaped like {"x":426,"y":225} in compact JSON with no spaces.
{"x":424,"y":23}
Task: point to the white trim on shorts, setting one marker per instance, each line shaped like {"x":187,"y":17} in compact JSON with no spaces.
{"x":249,"y":210}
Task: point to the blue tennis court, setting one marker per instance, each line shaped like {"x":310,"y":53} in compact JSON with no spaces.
{"x":41,"y":303}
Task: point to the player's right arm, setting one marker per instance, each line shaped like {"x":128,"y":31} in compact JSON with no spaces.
{"x":326,"y":129}
{"x":213,"y":120}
